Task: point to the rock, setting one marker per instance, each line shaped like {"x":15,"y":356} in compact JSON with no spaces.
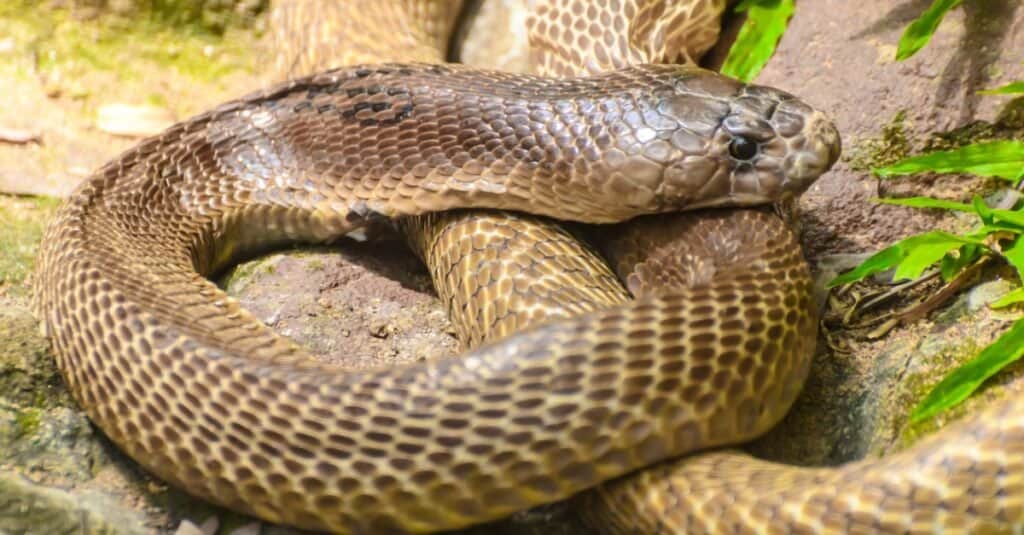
{"x":58,"y":442}
{"x":28,"y":375}
{"x":856,"y":402}
{"x":209,"y":527}
{"x":843,"y":63}
{"x":187,"y":527}
{"x":26,"y":507}
{"x":133,"y":121}
{"x":18,"y":136}
{"x":360,"y":305}
{"x":982,"y":295}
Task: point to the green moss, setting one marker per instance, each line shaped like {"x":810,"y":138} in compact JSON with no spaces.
{"x":28,"y":421}
{"x":28,"y":374}
{"x":1012,"y":116}
{"x":242,"y":273}
{"x":128,"y":45}
{"x":209,"y":15}
{"x":965,"y":135}
{"x":23,"y":221}
{"x":889,"y":147}
{"x":917,"y":385}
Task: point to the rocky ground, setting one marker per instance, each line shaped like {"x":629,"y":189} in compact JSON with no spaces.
{"x":62,"y":70}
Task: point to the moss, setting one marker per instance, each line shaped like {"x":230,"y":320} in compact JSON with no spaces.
{"x":1012,"y":116}
{"x":23,"y":221}
{"x":235,"y":278}
{"x":964,"y":135}
{"x":209,"y":15}
{"x":128,"y":45}
{"x":890,"y":146}
{"x":917,"y":385}
{"x":28,"y":421}
{"x":28,"y":374}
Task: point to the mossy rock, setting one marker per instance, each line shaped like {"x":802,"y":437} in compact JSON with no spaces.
{"x":26,"y":507}
{"x":28,"y":375}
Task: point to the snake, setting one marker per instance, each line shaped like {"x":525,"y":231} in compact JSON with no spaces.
{"x":206,"y":397}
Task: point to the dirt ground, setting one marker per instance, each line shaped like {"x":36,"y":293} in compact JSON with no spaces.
{"x":365,"y":303}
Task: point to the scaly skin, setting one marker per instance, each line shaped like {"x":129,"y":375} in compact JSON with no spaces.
{"x":962,"y":480}
{"x":209,"y":399}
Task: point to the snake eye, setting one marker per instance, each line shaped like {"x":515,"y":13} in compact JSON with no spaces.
{"x":742,"y":148}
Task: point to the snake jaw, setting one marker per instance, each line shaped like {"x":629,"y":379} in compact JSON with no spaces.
{"x":813,"y":150}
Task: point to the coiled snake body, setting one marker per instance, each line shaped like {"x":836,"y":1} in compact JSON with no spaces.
{"x":208,"y":398}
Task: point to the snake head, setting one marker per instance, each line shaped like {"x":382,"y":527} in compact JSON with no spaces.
{"x":719,"y":142}
{"x":769,"y":147}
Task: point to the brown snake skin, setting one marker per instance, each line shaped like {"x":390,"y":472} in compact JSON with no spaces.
{"x":207,"y":398}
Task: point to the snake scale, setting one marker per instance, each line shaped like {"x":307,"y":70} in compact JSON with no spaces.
{"x":206,"y":397}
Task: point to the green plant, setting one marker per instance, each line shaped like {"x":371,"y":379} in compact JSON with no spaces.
{"x":998,"y":234}
{"x":1001,"y":159}
{"x":756,"y":42}
{"x":920,"y":31}
{"x":1012,"y":88}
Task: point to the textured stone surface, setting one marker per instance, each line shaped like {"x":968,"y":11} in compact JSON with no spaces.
{"x":359,"y":305}
{"x":26,"y":507}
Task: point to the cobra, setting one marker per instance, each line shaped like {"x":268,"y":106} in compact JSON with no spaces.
{"x":206,"y":397}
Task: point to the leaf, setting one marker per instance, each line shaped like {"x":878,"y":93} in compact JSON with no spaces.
{"x":968,"y":377}
{"x":919,"y":32}
{"x":880,"y":261}
{"x":952,"y":265}
{"x":1014,"y":254}
{"x":1014,"y":217}
{"x":1011,"y":298}
{"x":910,"y":256}
{"x":1008,"y":89}
{"x":982,"y":232}
{"x":927,"y":202}
{"x":923,"y":253}
{"x":982,"y":209}
{"x":1003,"y":159}
{"x":765,"y":24}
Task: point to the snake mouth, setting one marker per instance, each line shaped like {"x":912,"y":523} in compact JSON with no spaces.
{"x":812,"y":152}
{"x":744,"y":199}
